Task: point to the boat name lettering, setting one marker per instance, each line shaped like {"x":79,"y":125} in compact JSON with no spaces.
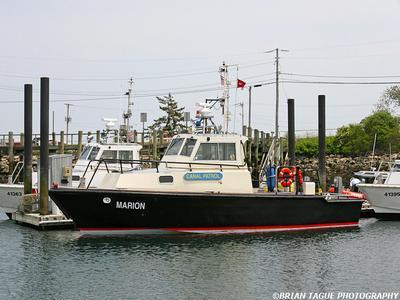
{"x":130,"y":205}
{"x":203,"y":176}
{"x":392,"y":194}
{"x":17,"y":194}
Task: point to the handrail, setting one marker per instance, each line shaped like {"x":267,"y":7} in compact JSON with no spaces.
{"x":18,"y":168}
{"x":156,"y":162}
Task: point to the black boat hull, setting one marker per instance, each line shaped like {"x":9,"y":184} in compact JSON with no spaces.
{"x":111,"y":210}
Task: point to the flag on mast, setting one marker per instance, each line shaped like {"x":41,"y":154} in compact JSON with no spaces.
{"x":240,"y":84}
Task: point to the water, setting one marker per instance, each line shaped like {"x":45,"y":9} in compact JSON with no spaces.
{"x":63,"y":265}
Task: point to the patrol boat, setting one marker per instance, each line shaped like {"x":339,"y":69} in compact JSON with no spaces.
{"x":201,"y":185}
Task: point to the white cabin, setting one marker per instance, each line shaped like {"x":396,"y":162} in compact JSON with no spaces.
{"x":212,"y":163}
{"x":93,"y":152}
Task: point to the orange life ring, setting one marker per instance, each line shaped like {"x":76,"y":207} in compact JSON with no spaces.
{"x":285,"y":177}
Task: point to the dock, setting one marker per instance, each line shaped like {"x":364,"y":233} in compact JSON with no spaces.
{"x":43,"y":222}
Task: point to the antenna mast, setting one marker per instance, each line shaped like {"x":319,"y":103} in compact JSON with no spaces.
{"x":126,"y":116}
{"x":223,"y":72}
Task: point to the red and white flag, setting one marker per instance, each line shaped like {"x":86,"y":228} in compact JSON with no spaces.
{"x":240,"y":84}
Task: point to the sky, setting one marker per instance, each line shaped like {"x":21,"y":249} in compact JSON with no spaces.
{"x":91,"y":48}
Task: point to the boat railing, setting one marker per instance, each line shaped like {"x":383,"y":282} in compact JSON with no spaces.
{"x":392,"y":167}
{"x":16,"y":172}
{"x":156,"y":163}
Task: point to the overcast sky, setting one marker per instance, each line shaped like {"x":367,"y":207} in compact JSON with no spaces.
{"x":90,"y":49}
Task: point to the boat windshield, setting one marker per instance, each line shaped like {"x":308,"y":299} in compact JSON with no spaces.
{"x":85,"y":152}
{"x":174,"y":146}
{"x":188,"y":147}
{"x":93,"y":153}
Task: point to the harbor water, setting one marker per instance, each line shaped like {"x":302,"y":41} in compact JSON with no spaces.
{"x":64,"y":265}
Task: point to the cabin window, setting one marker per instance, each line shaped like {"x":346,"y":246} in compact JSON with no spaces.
{"x":227,"y":151}
{"x":109,"y":154}
{"x":94,"y":152}
{"x":207,"y":151}
{"x":174,"y":146}
{"x":85,"y":152}
{"x":188,"y":147}
{"x":125,"y":155}
{"x":214,"y":151}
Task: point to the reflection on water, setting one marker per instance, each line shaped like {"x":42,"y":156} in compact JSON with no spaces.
{"x":62,"y":264}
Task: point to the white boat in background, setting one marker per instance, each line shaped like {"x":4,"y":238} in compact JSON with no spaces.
{"x":112,"y":153}
{"x":11,"y":193}
{"x":384,"y":195}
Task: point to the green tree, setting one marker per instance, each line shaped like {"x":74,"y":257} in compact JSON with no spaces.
{"x":171,"y":122}
{"x":385,"y":126}
{"x":352,"y":140}
{"x":390,"y":100}
{"x":356,"y":139}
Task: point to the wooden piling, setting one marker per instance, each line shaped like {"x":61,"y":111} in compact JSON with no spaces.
{"x":78,"y":152}
{"x":321,"y":142}
{"x":249,"y":144}
{"x":28,"y":141}
{"x":97,"y":136}
{"x":21,"y":139}
{"x":291,"y":132}
{"x":262,"y":141}
{"x":10,"y":152}
{"x":44,"y":146}
{"x":61,"y":144}
{"x":256,"y":144}
{"x":154,"y":134}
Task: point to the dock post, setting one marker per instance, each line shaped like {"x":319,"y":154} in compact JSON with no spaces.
{"x":244,"y":130}
{"x":249,"y":144}
{"x":155,"y":144}
{"x":10,"y":153}
{"x":61,"y":144}
{"x":291,"y":132}
{"x":44,"y":146}
{"x":28,"y":139}
{"x":97,"y":136}
{"x":256,"y":144}
{"x":21,"y":139}
{"x":78,"y":153}
{"x":321,"y":142}
{"x":53,"y":138}
{"x":262,"y":138}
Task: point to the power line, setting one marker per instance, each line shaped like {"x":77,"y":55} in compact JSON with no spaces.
{"x":340,"y":76}
{"x":341,"y":82}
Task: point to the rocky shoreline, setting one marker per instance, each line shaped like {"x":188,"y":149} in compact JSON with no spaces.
{"x":336,"y":165}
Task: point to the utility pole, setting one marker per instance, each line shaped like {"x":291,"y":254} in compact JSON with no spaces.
{"x":67,"y":121}
{"x":276,"y":136}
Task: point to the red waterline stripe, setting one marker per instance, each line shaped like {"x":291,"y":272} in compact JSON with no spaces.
{"x":310,"y":226}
